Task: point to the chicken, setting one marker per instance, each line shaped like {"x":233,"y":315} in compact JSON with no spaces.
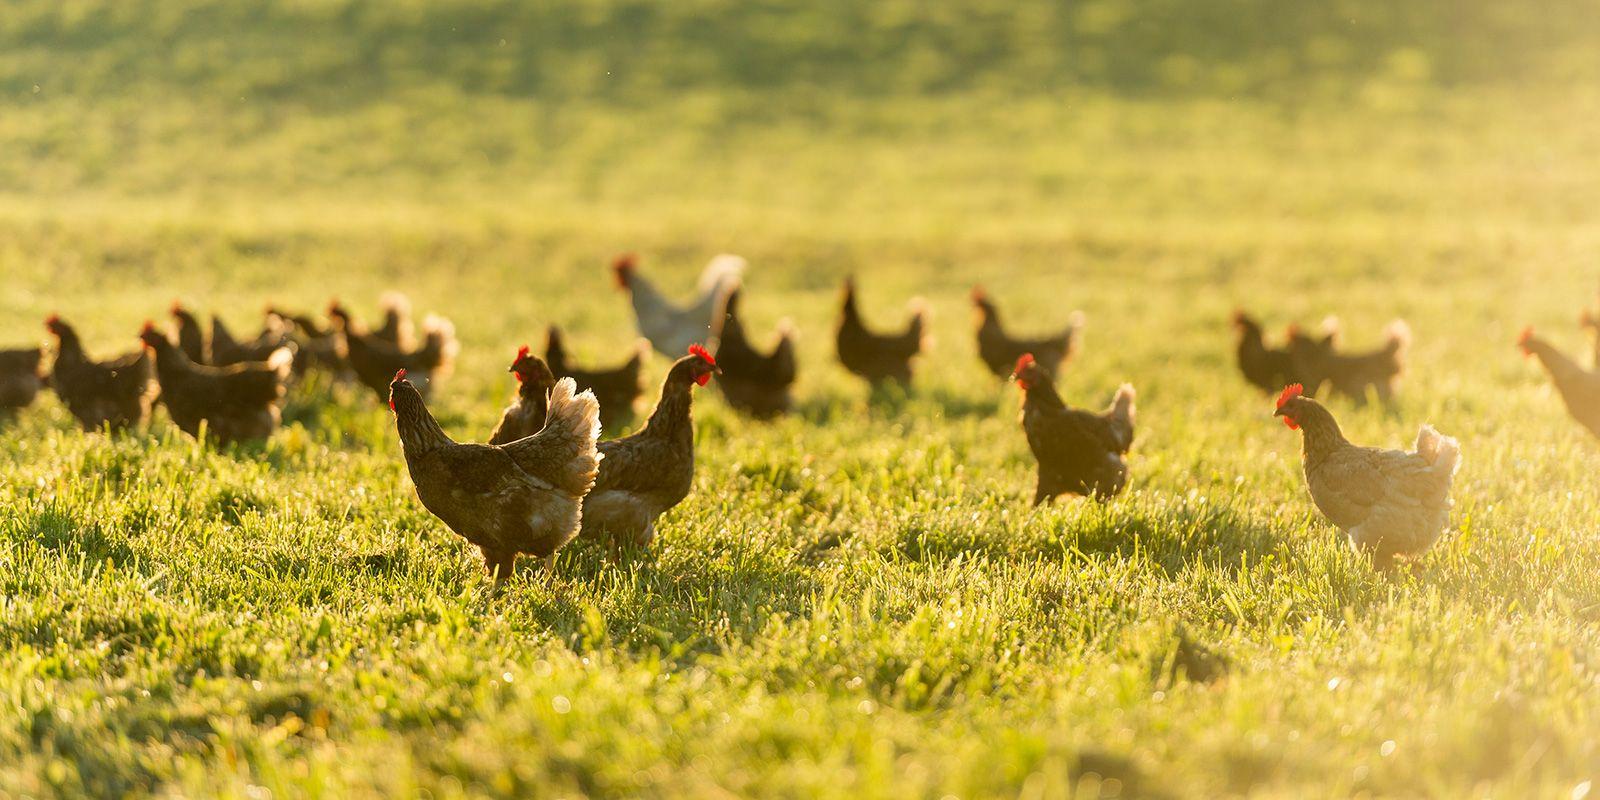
{"x":526,"y":414}
{"x":877,"y":358}
{"x":1391,"y":504}
{"x":1266,"y":368}
{"x":234,"y":403}
{"x":20,"y":380}
{"x":373,"y":360}
{"x":191,"y":337}
{"x":1590,"y":321}
{"x":316,"y":346}
{"x":103,"y":395}
{"x":1318,"y":361}
{"x":397,"y":328}
{"x":1000,"y":351}
{"x":226,"y":350}
{"x":522,"y":497}
{"x":616,"y":389}
{"x":671,"y":329}
{"x":1579,"y":388}
{"x":1079,"y":452}
{"x":753,"y":382}
{"x":647,"y":473}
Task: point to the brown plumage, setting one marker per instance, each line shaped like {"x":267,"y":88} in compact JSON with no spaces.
{"x":647,"y":473}
{"x":1318,"y":361}
{"x":877,"y":357}
{"x":236,"y":403}
{"x":374,"y":359}
{"x":1266,"y":368}
{"x":616,"y":389}
{"x":316,"y":345}
{"x":191,"y":337}
{"x":522,"y":497}
{"x":226,"y":349}
{"x":102,"y":395}
{"x":1579,"y":388}
{"x":1000,"y":350}
{"x":754,"y":382}
{"x":1389,"y":503}
{"x":20,"y":378}
{"x":1079,"y":452}
{"x":526,"y":414}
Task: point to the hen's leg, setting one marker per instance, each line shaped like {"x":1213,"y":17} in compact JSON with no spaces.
{"x":499,"y":566}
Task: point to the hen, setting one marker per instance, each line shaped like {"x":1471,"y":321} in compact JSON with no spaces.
{"x":1000,"y":351}
{"x":1266,"y":368}
{"x":234,"y":403}
{"x":877,"y":358}
{"x":525,"y":496}
{"x":227,"y":350}
{"x":397,"y":328}
{"x":671,"y":328}
{"x":616,"y":389}
{"x":526,"y":414}
{"x":20,"y":380}
{"x":1579,"y":388}
{"x":374,"y":360}
{"x":102,"y":395}
{"x":647,"y":473}
{"x":753,"y":382}
{"x":191,"y":337}
{"x":1318,"y":361}
{"x":1390,"y":503}
{"x":316,"y":345}
{"x":1079,"y":452}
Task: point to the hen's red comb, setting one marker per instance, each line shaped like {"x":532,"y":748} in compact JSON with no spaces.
{"x":399,"y":376}
{"x":698,"y":350}
{"x":149,"y":327}
{"x":1023,"y":362}
{"x":522,"y":352}
{"x":1525,"y":337}
{"x":979,"y":295}
{"x":176,"y":307}
{"x":1290,"y":393}
{"x":53,"y":319}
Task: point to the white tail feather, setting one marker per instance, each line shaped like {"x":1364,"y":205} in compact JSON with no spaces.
{"x":1399,"y":335}
{"x":1443,"y":452}
{"x":721,"y":271}
{"x":281,"y":360}
{"x":575,"y":416}
{"x":396,"y":302}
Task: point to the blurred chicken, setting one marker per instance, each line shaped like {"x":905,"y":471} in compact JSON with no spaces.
{"x":397,"y":328}
{"x":1579,"y":388}
{"x":236,"y":403}
{"x":647,"y":473}
{"x":1319,"y":361}
{"x":525,"y":416}
{"x":671,"y":328}
{"x":316,"y":345}
{"x":20,"y":379}
{"x":191,"y":337}
{"x":1000,"y":351}
{"x":878,"y":358}
{"x":374,"y":360}
{"x":227,"y":350}
{"x":617,"y":389}
{"x":753,"y":382}
{"x":1388,"y":502}
{"x":1079,"y":452}
{"x":1266,"y":368}
{"x":109,"y":395}
{"x":523,"y":497}
{"x":1590,"y":321}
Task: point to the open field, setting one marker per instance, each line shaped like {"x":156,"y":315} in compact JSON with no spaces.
{"x":855,"y":600}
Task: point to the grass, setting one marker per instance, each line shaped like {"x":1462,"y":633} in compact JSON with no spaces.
{"x":855,"y":600}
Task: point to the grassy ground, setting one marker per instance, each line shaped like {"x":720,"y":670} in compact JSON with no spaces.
{"x":855,"y":601}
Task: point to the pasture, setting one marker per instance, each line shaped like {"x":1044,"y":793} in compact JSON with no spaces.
{"x":855,"y":600}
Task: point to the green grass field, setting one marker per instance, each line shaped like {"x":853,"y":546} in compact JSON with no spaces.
{"x":857,"y":600}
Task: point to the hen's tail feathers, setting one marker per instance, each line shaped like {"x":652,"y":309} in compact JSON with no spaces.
{"x":441,"y":333}
{"x":1441,"y":451}
{"x":1399,"y":336}
{"x":918,"y":328}
{"x":1073,"y":335}
{"x":722,"y":272}
{"x":395,"y":301}
{"x":281,"y":361}
{"x":1332,"y":326}
{"x":572,"y":426}
{"x":1124,"y":413}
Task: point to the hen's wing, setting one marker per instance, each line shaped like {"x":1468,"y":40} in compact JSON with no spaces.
{"x":1351,"y":482}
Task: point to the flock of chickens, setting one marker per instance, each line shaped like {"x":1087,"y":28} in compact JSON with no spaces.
{"x":545,"y":477}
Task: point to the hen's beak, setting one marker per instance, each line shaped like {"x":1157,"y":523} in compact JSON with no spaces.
{"x":1277,"y":413}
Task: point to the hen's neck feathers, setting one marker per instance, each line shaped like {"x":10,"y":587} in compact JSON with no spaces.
{"x":420,"y":433}
{"x":1320,"y":434}
{"x":69,"y":349}
{"x":1042,"y":396}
